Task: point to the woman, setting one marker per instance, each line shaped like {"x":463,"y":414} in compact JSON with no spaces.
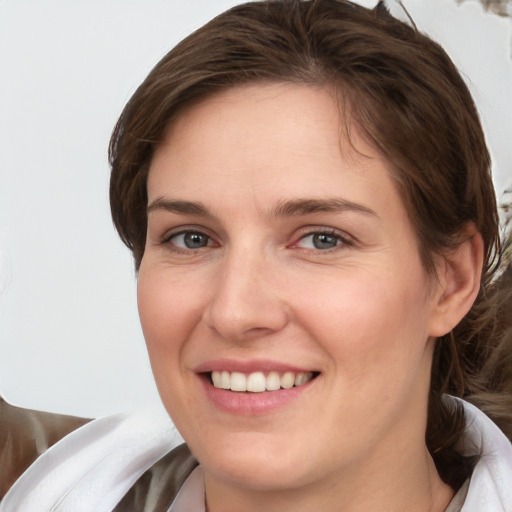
{"x":305,"y":188}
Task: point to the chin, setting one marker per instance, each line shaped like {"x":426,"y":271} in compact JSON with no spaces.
{"x":260,"y":473}
{"x":256,"y":463}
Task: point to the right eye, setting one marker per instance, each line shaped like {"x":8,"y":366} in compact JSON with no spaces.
{"x":190,"y":240}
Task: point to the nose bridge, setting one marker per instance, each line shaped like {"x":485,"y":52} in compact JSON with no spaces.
{"x":244,"y":303}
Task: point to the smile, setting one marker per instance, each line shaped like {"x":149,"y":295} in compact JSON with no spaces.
{"x":258,"y":382}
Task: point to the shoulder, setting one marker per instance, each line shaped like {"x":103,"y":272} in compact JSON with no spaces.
{"x":24,"y":435}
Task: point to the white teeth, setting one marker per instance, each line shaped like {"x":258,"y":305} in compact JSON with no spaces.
{"x":225,"y":380}
{"x":221,"y":380}
{"x":238,"y":382}
{"x":257,"y":382}
{"x":288,"y":380}
{"x":273,"y":381}
{"x":216,"y":379}
{"x":302,"y":378}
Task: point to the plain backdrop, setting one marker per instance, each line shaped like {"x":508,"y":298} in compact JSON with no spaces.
{"x":70,"y":340}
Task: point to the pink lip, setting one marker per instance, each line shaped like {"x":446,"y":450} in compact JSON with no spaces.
{"x":248,"y":403}
{"x":254,"y":365}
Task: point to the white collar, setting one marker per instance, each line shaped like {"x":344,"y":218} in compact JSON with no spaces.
{"x":490,"y":486}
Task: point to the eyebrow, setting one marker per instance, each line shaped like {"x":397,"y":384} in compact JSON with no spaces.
{"x":183,"y":207}
{"x":297,"y":207}
{"x":291,"y":208}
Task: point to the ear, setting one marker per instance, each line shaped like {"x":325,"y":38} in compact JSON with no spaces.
{"x":459,"y":273}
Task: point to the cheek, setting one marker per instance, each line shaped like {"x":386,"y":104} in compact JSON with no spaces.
{"x":370,"y":323}
{"x":168,"y":312}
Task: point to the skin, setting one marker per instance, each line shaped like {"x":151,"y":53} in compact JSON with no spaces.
{"x":363,"y":312}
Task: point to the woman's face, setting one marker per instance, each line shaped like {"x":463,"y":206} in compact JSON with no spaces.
{"x":279,"y":253}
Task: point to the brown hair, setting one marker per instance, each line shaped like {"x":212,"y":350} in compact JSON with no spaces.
{"x":408,"y":98}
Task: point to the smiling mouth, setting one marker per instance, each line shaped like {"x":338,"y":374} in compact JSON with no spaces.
{"x":259,"y":382}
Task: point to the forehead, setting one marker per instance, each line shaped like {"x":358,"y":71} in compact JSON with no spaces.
{"x":269,"y":129}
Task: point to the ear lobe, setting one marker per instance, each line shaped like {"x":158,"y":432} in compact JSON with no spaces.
{"x":458,"y":274}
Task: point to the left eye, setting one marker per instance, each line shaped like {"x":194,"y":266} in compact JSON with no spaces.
{"x":191,"y":240}
{"x":320,"y":241}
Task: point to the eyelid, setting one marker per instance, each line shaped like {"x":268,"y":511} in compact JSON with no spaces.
{"x":183,"y":228}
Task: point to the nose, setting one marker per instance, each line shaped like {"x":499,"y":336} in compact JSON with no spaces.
{"x":245,"y":302}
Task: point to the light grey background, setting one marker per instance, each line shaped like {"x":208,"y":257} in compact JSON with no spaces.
{"x":70,"y":340}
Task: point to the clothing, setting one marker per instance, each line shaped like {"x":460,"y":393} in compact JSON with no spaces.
{"x":24,"y":435}
{"x":121,"y":462}
{"x":490,"y":486}
{"x":138,"y":463}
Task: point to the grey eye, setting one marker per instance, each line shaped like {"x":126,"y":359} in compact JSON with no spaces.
{"x":190,"y":240}
{"x":324,"y":241}
{"x":193,"y":240}
{"x":321,"y":241}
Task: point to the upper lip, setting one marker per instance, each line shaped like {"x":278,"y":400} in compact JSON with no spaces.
{"x":251,"y":366}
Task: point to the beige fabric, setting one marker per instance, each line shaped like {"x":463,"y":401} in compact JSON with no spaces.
{"x":458,"y":500}
{"x":24,"y":435}
{"x":157,"y":487}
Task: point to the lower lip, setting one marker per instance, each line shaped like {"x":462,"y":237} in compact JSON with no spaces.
{"x":247,"y":403}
